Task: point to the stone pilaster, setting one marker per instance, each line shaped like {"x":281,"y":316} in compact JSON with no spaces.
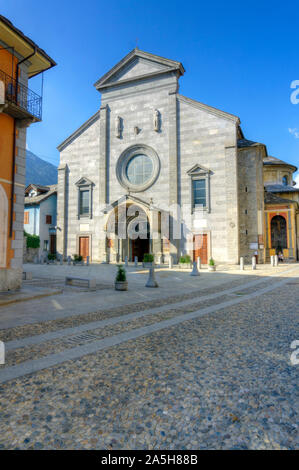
{"x":103,"y":173}
{"x":62,"y":198}
{"x":174,"y":245}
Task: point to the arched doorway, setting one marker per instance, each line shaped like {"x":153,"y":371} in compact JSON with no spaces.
{"x":279,"y":239}
{"x":128,"y":232}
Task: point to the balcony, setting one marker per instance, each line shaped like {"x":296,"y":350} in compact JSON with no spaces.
{"x":19,"y":101}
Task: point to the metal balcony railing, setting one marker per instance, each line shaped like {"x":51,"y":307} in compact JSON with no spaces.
{"x":18,"y":94}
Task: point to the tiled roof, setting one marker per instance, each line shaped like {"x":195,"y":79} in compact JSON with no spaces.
{"x":244,"y":143}
{"x":276,"y":161}
{"x":271,"y":198}
{"x":280,"y":188}
{"x":52,"y":189}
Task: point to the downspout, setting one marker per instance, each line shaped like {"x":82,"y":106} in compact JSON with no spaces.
{"x":14,"y":145}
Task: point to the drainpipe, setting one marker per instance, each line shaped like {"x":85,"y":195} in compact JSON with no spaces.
{"x":14,"y":145}
{"x":18,"y":65}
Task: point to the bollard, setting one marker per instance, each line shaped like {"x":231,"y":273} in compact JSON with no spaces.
{"x":61,"y":260}
{"x":2,"y":353}
{"x":126,"y":261}
{"x":87,"y":260}
{"x":69,"y":260}
{"x":170,"y":262}
{"x":242,"y":263}
{"x":253,"y":262}
{"x":135,"y":261}
{"x":272,"y":260}
{"x":194,"y":270}
{"x":151,"y":282}
{"x":276,"y":260}
{"x":159,"y":260}
{"x":198,"y":263}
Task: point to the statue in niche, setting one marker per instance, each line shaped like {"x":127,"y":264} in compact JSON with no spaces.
{"x":118,"y":127}
{"x":156,"y":120}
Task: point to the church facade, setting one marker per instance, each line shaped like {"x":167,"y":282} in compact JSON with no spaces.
{"x":156,"y":172}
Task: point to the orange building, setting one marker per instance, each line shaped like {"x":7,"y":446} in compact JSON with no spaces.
{"x":20,"y":59}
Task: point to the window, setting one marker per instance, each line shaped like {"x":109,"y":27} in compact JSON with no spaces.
{"x":199,"y":193}
{"x":85,"y":187}
{"x":84,"y":202}
{"x":139,"y":169}
{"x":26,"y":217}
{"x":285,"y":180}
{"x":46,"y":244}
{"x":48,"y":219}
{"x":200,"y":187}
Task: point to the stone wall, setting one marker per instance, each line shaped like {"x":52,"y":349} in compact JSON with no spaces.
{"x":251,"y":196}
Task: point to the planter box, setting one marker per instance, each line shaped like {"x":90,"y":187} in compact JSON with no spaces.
{"x":212,"y":268}
{"x":185,"y":266}
{"x":148,"y":264}
{"x":121,"y":285}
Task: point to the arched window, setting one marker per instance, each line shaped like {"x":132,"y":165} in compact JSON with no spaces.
{"x":279,"y":233}
{"x":3,"y":226}
{"x":285,"y":180}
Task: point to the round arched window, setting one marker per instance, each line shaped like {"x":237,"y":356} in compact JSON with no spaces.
{"x":138,"y":168}
{"x":285,"y":180}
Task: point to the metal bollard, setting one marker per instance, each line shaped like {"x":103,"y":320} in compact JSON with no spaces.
{"x":253,"y":262}
{"x":136,"y":261}
{"x":87,"y":260}
{"x":198,"y":263}
{"x":242,"y":263}
{"x":126,"y":261}
{"x":276,"y":260}
{"x":170,"y":262}
{"x":69,"y":260}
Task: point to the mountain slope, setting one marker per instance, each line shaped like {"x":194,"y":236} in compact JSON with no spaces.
{"x":39,"y":171}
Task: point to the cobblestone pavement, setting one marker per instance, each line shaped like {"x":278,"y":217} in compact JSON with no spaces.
{"x":223,"y":380}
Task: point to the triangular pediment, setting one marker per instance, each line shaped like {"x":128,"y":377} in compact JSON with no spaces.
{"x":198,"y":169}
{"x":137,"y":65}
{"x":84,"y":182}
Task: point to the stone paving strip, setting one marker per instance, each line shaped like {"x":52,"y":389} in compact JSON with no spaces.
{"x":11,"y":334}
{"x":17,"y":356}
{"x":37,"y":339}
{"x":29,"y":367}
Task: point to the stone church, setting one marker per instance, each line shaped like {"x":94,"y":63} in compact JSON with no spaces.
{"x":156,"y":172}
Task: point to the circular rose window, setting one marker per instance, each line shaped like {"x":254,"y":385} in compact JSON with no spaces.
{"x":138,"y":168}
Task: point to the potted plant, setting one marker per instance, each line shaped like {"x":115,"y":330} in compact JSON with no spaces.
{"x":121,"y":282}
{"x":51,"y":258}
{"x":78,"y":260}
{"x":148,"y":260}
{"x":185,"y":262}
{"x":211,"y":265}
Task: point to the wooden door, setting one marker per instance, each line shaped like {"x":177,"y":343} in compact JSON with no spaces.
{"x":84,"y":247}
{"x":53,"y":244}
{"x":201,"y":248}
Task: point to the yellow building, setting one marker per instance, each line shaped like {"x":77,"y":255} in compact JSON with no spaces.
{"x":281,"y":209}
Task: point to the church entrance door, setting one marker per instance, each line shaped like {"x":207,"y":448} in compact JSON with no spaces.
{"x":200,"y":244}
{"x":139,"y":248}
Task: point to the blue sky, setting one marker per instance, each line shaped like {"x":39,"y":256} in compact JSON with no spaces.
{"x":240,"y":57}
